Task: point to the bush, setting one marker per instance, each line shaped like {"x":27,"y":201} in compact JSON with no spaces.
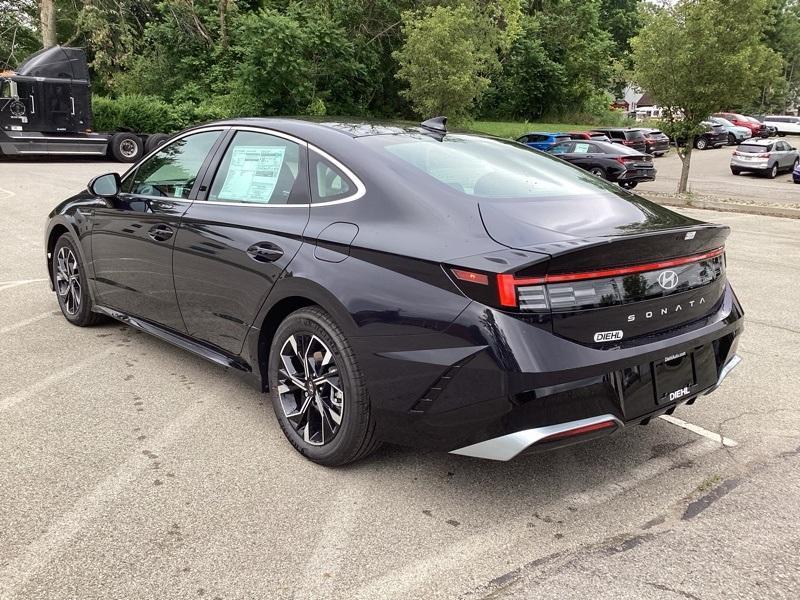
{"x":149,"y":114}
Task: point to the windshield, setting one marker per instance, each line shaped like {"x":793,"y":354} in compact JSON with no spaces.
{"x":722,"y":121}
{"x":753,"y":148}
{"x":486,"y":167}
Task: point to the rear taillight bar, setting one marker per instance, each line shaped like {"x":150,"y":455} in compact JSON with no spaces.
{"x":610,"y":424}
{"x":508,"y":284}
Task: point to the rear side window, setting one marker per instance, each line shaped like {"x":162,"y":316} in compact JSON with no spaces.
{"x":258,"y":169}
{"x":330,"y":183}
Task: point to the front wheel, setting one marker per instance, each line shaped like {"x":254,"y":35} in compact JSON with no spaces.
{"x":735,"y":171}
{"x":318,"y":391}
{"x":701,"y":143}
{"x":773,"y":172}
{"x":628,"y":185}
{"x":731,"y":139}
{"x":69,"y":280}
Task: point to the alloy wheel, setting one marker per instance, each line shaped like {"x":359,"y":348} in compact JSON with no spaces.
{"x":68,"y":280}
{"x":128,"y":148}
{"x":310,"y":388}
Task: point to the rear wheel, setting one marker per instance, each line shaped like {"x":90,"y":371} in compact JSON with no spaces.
{"x":126,"y":147}
{"x":735,"y":171}
{"x":773,"y":172}
{"x":731,"y":139}
{"x":628,"y":185}
{"x":69,"y":280}
{"x":154,"y":141}
{"x":318,"y":391}
{"x":598,"y":172}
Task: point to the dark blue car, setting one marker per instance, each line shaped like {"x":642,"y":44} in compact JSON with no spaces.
{"x":542,"y":140}
{"x":796,"y":174}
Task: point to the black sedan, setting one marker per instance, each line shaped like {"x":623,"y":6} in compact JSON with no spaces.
{"x":613,"y":162}
{"x":404,"y":284}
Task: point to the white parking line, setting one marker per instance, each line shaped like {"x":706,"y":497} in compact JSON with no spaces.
{"x":30,"y":321}
{"x":6,"y":194}
{"x":700,"y":431}
{"x":5,"y":285}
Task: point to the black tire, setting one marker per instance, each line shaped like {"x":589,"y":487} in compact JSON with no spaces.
{"x":735,"y":171}
{"x":701,"y":143}
{"x":598,"y":172}
{"x":154,"y":141}
{"x":628,"y":185}
{"x":301,"y":416}
{"x":731,"y":139}
{"x":71,"y":284}
{"x":126,"y":147}
{"x":773,"y":171}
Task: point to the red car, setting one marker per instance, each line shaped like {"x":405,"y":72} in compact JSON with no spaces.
{"x":754,"y":126}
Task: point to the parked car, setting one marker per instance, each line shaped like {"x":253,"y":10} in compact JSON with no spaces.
{"x":736,"y":134}
{"x":542,"y":140}
{"x":742,"y":121}
{"x":796,"y":174}
{"x":404,"y":284}
{"x":784,"y":124}
{"x":656,"y":141}
{"x":627,"y":136}
{"x":766,"y":157}
{"x":714,"y":136}
{"x":614,"y":162}
{"x":588,"y":135}
{"x":765,"y":130}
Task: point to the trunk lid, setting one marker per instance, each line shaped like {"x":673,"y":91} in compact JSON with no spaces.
{"x":619,"y":266}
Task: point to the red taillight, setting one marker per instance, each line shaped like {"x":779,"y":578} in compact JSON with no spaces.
{"x":580,"y":430}
{"x":471,"y":276}
{"x":654,"y":266}
{"x":507,"y":286}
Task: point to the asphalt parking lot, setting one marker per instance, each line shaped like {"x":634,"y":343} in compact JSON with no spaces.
{"x":131,"y":469}
{"x":711,"y":175}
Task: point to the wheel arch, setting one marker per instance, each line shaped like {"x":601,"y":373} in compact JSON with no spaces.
{"x":289,"y":295}
{"x":54,"y":233}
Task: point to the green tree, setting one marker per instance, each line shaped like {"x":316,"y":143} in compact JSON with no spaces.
{"x":447,"y":59}
{"x":692,"y":78}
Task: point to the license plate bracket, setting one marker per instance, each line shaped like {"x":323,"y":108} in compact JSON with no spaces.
{"x":674,"y":377}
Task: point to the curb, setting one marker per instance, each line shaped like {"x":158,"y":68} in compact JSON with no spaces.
{"x":723,"y":206}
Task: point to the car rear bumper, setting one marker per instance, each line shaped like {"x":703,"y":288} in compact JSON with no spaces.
{"x":501,"y":375}
{"x":750,"y":165}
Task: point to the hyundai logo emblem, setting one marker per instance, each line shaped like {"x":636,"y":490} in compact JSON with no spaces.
{"x":668,"y":279}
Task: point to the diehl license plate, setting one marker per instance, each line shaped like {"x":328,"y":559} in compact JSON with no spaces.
{"x":674,"y":377}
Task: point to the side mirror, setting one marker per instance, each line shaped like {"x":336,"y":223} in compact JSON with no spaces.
{"x":105,"y":186}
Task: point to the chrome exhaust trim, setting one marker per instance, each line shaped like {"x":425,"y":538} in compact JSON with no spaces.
{"x":508,"y":446}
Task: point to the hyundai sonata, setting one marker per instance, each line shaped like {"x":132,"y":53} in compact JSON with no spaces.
{"x":404,"y":284}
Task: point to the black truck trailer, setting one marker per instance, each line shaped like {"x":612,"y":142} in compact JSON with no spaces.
{"x":46,"y":109}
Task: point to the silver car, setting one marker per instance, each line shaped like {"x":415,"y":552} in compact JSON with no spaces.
{"x":765,"y":156}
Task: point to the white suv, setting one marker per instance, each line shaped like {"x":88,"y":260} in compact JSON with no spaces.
{"x":783,"y":123}
{"x":765,"y":156}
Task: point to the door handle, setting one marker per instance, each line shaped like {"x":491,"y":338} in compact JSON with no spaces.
{"x":160,"y":232}
{"x":264,"y":252}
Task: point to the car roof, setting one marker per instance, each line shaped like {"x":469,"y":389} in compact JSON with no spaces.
{"x":617,"y":129}
{"x":758,"y":142}
{"x":554,"y":133}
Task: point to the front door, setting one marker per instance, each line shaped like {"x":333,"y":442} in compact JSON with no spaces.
{"x":133,"y":236}
{"x":234,"y":244}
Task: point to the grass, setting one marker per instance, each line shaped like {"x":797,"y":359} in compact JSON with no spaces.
{"x":514,"y":129}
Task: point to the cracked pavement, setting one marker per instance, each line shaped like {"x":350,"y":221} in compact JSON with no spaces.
{"x":131,"y":469}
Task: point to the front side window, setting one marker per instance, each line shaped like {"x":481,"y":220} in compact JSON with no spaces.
{"x":171,"y":172}
{"x":562,"y":148}
{"x":259,"y":168}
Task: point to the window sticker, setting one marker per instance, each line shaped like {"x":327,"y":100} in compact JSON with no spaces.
{"x":582,"y":148}
{"x":253,"y":173}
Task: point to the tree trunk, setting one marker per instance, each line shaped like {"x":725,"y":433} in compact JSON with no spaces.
{"x":686,"y":158}
{"x":47,"y":20}
{"x":223,"y":26}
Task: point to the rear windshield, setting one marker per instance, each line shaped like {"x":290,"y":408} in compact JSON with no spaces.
{"x":636,"y":134}
{"x":486,"y":167}
{"x":562,"y":138}
{"x":753,"y":148}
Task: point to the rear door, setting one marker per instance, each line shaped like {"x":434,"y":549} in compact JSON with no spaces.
{"x":133,"y":235}
{"x":236,"y":240}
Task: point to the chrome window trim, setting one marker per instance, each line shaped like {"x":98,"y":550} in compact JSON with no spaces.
{"x":361,"y":189}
